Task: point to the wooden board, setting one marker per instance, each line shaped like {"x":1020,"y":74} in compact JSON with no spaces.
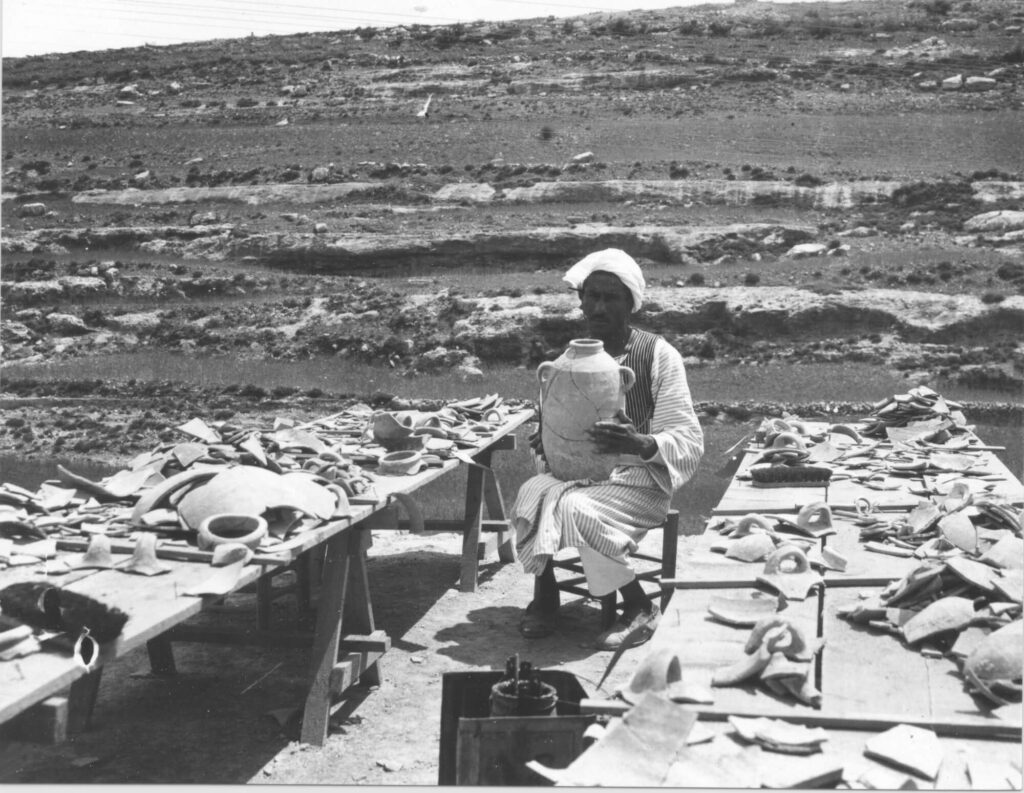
{"x":1000,"y":757}
{"x":864,"y":567}
{"x":155,"y":604}
{"x":843,"y":494}
{"x":703,"y":645}
{"x":742,"y":497}
{"x":868,"y":672}
{"x":699,"y":566}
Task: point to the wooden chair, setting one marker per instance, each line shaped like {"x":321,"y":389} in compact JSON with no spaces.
{"x":650,"y":570}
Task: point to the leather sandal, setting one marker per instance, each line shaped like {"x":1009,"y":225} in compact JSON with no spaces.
{"x":630,"y":630}
{"x":537,"y":624}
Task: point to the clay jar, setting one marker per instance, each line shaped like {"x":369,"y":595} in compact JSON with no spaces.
{"x":582,"y":386}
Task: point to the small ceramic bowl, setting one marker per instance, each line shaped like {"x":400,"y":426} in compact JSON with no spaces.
{"x":226,"y":527}
{"x":401,"y":463}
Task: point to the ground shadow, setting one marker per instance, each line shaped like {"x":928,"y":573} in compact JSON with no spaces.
{"x":404,"y":586}
{"x":209,"y":723}
{"x":491,"y":635}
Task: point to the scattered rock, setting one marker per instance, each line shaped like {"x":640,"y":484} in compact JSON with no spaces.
{"x":959,"y":24}
{"x":139,"y":322}
{"x":204,"y":219}
{"x":321,"y":173}
{"x":467,"y":373}
{"x":32,"y":210}
{"x":469,"y":193}
{"x":980,"y":84}
{"x":15,"y":332}
{"x":807,"y":249}
{"x":998,"y":221}
{"x":859,"y":231}
{"x":67,"y":325}
{"x":954,"y":83}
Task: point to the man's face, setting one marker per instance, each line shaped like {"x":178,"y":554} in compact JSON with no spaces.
{"x":606,"y":303}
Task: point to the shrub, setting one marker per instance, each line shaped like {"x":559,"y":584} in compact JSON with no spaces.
{"x":991,"y":298}
{"x":252,"y":391}
{"x":546,"y":133}
{"x":751,"y":279}
{"x":1011,"y":271}
{"x":696,"y":279}
{"x":808,"y":180}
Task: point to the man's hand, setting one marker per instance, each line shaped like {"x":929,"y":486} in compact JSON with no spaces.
{"x":619,"y":436}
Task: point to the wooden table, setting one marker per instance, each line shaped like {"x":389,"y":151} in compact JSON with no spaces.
{"x":346,"y":643}
{"x":869,"y":680}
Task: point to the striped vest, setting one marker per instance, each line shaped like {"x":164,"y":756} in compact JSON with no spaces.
{"x":639,"y":357}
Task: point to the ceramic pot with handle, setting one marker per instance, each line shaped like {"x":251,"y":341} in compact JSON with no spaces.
{"x":585,"y":384}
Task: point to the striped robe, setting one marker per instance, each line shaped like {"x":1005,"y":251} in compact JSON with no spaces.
{"x":605,"y":520}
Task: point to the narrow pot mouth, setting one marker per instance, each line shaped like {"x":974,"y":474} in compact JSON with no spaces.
{"x":587,"y":345}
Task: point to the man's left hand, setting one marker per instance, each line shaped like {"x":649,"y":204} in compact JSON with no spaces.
{"x":619,"y":436}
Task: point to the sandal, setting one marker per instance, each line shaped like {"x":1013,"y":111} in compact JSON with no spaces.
{"x":537,"y":624}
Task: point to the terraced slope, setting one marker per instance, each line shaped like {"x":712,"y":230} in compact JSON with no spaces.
{"x":801,"y":183}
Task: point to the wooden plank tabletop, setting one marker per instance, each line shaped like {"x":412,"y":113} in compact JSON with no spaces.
{"x":869,"y":672}
{"x":990,"y":761}
{"x":704,"y":645}
{"x":157,"y":603}
{"x":700,"y":566}
{"x":863,"y":567}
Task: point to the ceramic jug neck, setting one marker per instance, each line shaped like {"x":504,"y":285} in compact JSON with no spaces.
{"x":583,"y":348}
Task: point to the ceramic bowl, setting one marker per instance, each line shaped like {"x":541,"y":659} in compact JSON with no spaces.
{"x":226,"y":527}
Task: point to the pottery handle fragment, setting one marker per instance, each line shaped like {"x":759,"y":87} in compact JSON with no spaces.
{"x":545,"y":372}
{"x":628,"y":378}
{"x":774,"y":564}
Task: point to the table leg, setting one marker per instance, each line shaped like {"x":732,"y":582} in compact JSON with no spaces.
{"x":471,"y":528}
{"x":326,"y":639}
{"x":161,"y":656}
{"x":358,"y":615}
{"x":82,"y":700}
{"x":496,"y":512}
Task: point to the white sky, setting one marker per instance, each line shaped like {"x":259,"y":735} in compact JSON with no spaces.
{"x":36,"y":27}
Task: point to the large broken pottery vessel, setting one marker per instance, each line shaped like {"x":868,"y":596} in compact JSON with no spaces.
{"x":583,"y":386}
{"x":994,"y":666}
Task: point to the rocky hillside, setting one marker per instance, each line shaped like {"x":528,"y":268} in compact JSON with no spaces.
{"x":801,"y":182}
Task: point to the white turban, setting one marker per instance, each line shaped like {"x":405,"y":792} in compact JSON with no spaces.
{"x":614,"y":261}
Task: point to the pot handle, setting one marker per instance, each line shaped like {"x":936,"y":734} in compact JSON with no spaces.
{"x":774,"y":563}
{"x":545,"y":372}
{"x":628,"y":378}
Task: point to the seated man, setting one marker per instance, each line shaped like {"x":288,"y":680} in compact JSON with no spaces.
{"x":661,"y":441}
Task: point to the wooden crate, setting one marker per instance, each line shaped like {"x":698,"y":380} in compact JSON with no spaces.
{"x":478,"y":749}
